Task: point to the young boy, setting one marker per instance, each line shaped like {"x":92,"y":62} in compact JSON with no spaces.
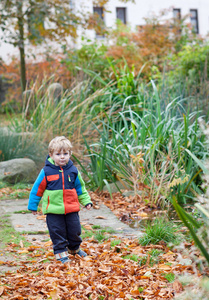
{"x":61,"y":188}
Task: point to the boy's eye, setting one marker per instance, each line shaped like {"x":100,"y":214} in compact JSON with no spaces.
{"x":66,"y":153}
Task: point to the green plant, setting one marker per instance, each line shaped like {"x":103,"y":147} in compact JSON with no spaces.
{"x":20,"y":145}
{"x":20,"y":190}
{"x":161,"y":132}
{"x":100,"y":236}
{"x":97,"y":233}
{"x":115,"y":243}
{"x":155,"y":252}
{"x":198,"y":229}
{"x":96,"y":227}
{"x":169,"y":276}
{"x":161,"y":230}
{"x":3,"y":184}
{"x":191,"y":62}
{"x":133,"y":257}
{"x":8,"y":233}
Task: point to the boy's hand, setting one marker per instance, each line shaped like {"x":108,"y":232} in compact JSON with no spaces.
{"x":88,"y":206}
{"x":34,"y":212}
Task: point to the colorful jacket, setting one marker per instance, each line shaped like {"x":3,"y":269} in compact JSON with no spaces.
{"x":61,"y":189}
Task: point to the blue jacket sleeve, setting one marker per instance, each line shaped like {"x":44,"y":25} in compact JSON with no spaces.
{"x":82,"y":193}
{"x":37,"y":191}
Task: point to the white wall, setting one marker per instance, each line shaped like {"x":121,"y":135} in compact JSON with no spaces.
{"x":135,"y":15}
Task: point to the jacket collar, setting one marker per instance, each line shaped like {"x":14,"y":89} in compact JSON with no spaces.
{"x":49,"y":162}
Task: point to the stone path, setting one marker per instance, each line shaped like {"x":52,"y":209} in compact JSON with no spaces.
{"x":25,"y":222}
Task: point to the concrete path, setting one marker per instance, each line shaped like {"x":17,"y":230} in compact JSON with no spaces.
{"x":25,"y":222}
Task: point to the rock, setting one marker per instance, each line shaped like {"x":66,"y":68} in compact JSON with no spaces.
{"x":18,"y":169}
{"x":55,"y":91}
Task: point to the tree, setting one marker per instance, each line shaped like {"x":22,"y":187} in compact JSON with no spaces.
{"x":34,"y":21}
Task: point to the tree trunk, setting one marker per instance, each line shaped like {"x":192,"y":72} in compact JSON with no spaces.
{"x":22,"y":68}
{"x":21,"y":46}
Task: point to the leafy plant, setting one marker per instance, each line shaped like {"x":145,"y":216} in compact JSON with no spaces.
{"x":198,"y":230}
{"x":160,"y":133}
{"x":160,"y":230}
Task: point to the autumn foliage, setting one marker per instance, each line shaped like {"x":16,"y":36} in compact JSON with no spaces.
{"x":148,"y":46}
{"x":50,"y":69}
{"x":103,"y":273}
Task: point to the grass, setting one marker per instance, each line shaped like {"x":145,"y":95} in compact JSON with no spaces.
{"x":98,"y":233}
{"x":8,"y":234}
{"x":17,"y":145}
{"x":9,"y":237}
{"x":162,"y":131}
{"x":133,"y":257}
{"x":16,"y":191}
{"x":160,"y":231}
{"x":169,"y":276}
{"x":115,"y":243}
{"x":151,"y":258}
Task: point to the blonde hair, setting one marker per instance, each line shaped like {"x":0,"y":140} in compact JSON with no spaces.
{"x":60,"y":143}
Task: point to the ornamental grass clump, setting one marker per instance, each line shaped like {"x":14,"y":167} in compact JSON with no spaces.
{"x":162,"y":132}
{"x":160,"y":231}
{"x":17,"y":145}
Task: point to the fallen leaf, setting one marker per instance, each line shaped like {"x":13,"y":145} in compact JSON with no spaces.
{"x":88,"y":227}
{"x":7,"y":173}
{"x":41,"y":217}
{"x":1,"y":290}
{"x":177,"y":286}
{"x":21,"y":244}
{"x":164,"y":267}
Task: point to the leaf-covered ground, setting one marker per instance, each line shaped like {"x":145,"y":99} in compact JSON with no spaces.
{"x":122,"y":271}
{"x":116,"y":268}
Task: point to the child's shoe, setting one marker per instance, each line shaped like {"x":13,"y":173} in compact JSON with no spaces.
{"x":63,"y":257}
{"x":80,"y":252}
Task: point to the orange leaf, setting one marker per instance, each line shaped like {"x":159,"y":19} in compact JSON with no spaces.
{"x":1,"y":290}
{"x":177,"y":286}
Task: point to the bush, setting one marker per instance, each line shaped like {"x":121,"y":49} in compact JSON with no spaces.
{"x":192,"y":63}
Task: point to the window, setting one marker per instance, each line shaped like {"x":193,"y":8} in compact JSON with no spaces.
{"x":177,"y":20}
{"x":99,"y":11}
{"x":100,"y":20}
{"x":121,"y":14}
{"x":177,"y":14}
{"x":194,"y":20}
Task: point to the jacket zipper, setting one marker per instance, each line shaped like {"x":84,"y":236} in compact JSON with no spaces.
{"x":63,"y":188}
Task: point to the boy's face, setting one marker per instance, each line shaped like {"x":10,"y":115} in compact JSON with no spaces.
{"x":60,"y":157}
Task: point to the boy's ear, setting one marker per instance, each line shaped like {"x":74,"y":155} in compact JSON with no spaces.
{"x":50,"y":154}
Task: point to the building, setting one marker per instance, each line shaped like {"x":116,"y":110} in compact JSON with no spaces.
{"x":133,"y":14}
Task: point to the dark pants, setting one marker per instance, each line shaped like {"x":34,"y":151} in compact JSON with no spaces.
{"x":65,"y":231}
